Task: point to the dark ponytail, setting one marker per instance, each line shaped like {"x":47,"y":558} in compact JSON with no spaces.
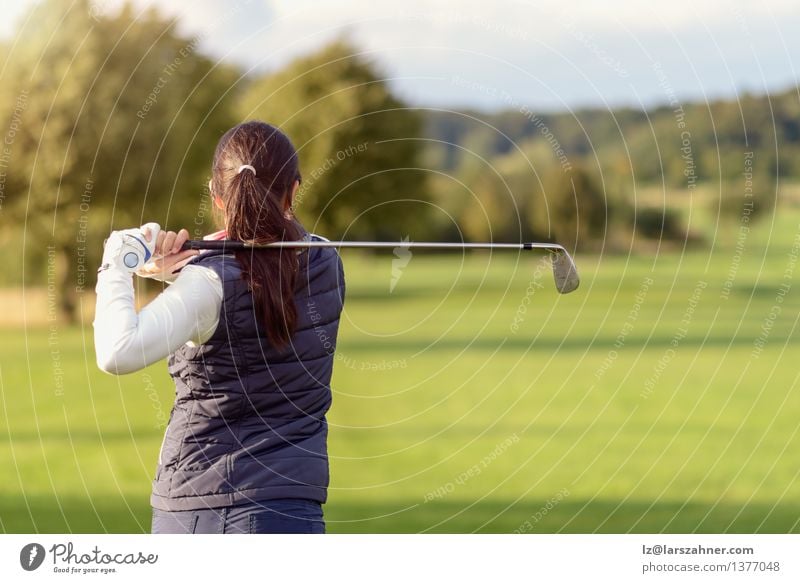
{"x":254,"y":203}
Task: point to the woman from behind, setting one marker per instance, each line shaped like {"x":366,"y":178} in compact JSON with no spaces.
{"x":250,"y":338}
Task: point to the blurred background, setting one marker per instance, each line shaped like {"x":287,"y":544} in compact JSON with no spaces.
{"x":661,"y":145}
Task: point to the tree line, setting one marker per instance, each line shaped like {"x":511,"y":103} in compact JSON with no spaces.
{"x":110,"y":120}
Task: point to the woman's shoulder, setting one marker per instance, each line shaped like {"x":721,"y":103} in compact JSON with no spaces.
{"x":224,"y":265}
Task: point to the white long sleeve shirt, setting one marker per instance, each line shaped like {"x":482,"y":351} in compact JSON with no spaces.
{"x":186,"y":311}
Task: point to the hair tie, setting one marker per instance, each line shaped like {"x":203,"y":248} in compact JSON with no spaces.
{"x":243,"y":166}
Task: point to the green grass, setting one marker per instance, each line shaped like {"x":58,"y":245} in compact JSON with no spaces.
{"x":709,"y":445}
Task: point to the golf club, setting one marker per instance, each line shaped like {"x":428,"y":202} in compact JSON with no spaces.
{"x":564,"y":270}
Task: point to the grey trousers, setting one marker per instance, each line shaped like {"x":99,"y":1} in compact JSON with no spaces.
{"x":283,"y":516}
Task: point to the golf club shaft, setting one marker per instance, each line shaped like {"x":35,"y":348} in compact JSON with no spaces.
{"x":235,"y":245}
{"x":564,"y":271}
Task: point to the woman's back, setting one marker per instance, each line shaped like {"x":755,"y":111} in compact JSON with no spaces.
{"x":249,"y":419}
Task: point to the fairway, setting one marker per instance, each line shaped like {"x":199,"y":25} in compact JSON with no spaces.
{"x":660,"y":396}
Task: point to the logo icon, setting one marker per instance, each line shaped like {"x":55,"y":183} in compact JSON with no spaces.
{"x":402,"y":255}
{"x":31,"y":556}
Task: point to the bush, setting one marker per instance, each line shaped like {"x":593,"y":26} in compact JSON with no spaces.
{"x":663,"y":224}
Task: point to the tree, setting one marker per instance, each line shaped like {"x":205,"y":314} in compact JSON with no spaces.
{"x":578,"y":207}
{"x":358,"y":144}
{"x":747,"y":198}
{"x":120,"y":119}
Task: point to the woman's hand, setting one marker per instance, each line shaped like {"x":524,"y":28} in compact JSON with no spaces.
{"x":129,"y":249}
{"x":168,"y":258}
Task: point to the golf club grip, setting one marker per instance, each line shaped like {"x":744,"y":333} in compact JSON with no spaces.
{"x":203,"y":244}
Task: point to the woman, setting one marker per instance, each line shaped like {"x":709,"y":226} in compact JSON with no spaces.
{"x":250,"y":338}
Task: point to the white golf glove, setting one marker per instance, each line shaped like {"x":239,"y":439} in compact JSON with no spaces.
{"x":130,"y":249}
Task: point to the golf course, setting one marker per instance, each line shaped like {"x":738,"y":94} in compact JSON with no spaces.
{"x":661,"y":396}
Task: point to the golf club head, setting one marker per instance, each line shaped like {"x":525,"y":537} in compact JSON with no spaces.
{"x":564,"y":271}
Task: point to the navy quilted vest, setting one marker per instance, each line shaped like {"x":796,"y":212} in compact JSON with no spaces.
{"x":249,"y":422}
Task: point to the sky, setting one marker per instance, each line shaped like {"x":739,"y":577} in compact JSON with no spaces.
{"x":544,"y":55}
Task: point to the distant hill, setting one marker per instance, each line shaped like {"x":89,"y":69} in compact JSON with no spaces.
{"x":707,"y":141}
